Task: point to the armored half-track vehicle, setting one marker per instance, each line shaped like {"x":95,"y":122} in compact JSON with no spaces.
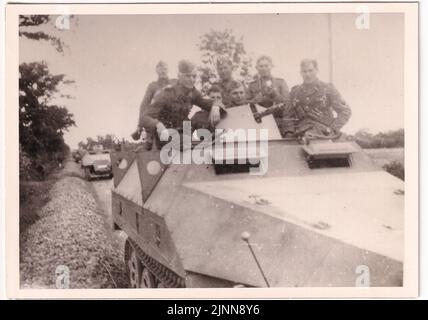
{"x":97,"y":164}
{"x":283,"y":213}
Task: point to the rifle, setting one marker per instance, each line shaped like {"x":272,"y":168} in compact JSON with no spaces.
{"x":279,"y":106}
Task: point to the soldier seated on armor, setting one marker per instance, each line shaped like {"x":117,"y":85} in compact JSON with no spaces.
{"x":267,"y":90}
{"x":214,"y":93}
{"x":315,"y":104}
{"x":224,"y":67}
{"x":152,"y":91}
{"x":237,"y":94}
{"x":172,"y":106}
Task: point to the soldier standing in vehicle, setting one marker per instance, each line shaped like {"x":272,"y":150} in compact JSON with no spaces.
{"x":315,"y":104}
{"x":224,"y":70}
{"x":267,"y":90}
{"x":173,"y":104}
{"x":153,"y":89}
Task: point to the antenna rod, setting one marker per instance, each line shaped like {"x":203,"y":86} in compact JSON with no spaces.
{"x":246,"y":236}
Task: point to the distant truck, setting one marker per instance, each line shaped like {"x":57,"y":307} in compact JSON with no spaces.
{"x":97,"y":164}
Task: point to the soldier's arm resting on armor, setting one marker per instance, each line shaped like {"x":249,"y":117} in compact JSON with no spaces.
{"x":341,"y":108}
{"x":216,"y":109}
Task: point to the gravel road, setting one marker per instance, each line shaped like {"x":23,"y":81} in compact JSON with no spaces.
{"x":73,"y":232}
{"x":102,"y":190}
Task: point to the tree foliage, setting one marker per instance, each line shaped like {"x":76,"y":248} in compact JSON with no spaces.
{"x":223,"y":43}
{"x":108,"y":142}
{"x":32,"y":21}
{"x":41,"y":123}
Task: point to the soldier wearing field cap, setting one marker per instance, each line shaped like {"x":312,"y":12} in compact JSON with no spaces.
{"x":315,"y":104}
{"x":153,"y":89}
{"x":172,"y":106}
{"x":224,"y":70}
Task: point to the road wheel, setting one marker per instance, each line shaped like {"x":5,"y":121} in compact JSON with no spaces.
{"x":87,"y":173}
{"x":147,"y":279}
{"x":134,"y":269}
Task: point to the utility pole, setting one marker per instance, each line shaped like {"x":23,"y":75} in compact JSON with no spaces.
{"x":330,"y":47}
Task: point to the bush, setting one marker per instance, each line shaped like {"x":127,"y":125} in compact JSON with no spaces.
{"x":367,"y":140}
{"x":40,"y":166}
{"x":24,"y":165}
{"x":395,"y":168}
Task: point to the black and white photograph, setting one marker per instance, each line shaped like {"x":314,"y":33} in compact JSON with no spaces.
{"x":175,"y":148}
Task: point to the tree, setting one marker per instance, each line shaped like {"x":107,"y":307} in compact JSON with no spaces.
{"x":27,"y":23}
{"x":41,"y":124}
{"x":215,"y":44}
{"x":41,"y":121}
{"x":108,"y":142}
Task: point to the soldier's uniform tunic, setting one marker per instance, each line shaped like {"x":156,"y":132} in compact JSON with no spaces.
{"x":172,"y":107}
{"x":267,"y":92}
{"x":153,"y":89}
{"x":270,"y":91}
{"x":314,"y":105}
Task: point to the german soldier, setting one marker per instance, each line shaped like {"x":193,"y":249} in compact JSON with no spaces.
{"x":153,"y":89}
{"x":237,"y":94}
{"x":224,"y":70}
{"x":267,"y":90}
{"x":173,"y":104}
{"x":315,"y":102}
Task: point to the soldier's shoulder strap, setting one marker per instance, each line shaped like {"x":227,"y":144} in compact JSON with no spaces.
{"x":167,"y":92}
{"x":152,"y":86}
{"x":169,"y":88}
{"x":296,"y":88}
{"x":322,"y":84}
{"x":252,"y":85}
{"x":329,"y":87}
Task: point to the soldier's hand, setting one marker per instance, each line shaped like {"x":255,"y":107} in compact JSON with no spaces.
{"x":258,"y":117}
{"x":329,"y":131}
{"x":214,"y":115}
{"x":218,"y":103}
{"x":136,"y":134}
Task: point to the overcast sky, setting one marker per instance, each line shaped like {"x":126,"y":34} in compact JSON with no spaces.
{"x":112,"y":58}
